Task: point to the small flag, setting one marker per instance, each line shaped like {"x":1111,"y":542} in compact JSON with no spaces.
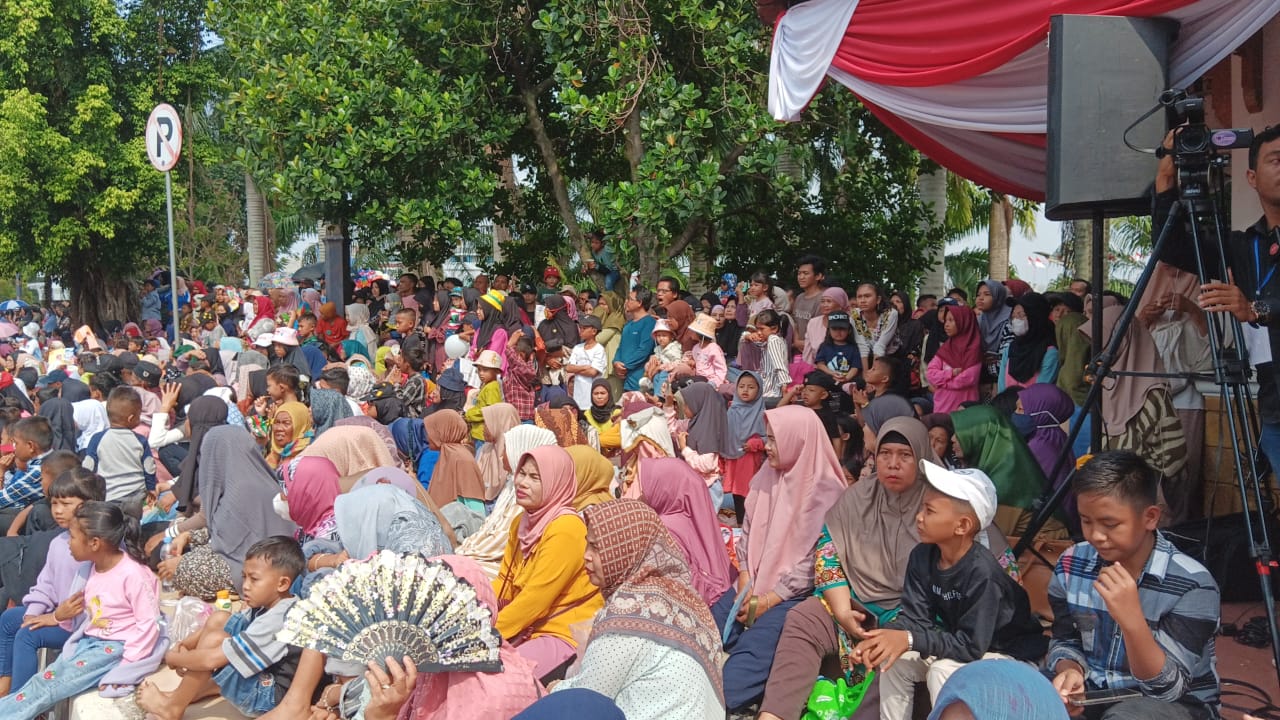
{"x":1037,"y":261}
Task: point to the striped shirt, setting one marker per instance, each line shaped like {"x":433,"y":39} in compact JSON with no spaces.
{"x":774,"y":373}
{"x":1181,"y":604}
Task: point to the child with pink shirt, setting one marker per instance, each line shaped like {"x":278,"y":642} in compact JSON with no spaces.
{"x":708,"y":357}
{"x":112,"y":617}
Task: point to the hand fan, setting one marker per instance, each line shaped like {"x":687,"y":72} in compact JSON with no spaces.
{"x":392,"y":606}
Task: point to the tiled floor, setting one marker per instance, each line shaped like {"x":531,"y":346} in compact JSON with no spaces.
{"x":1240,"y":662}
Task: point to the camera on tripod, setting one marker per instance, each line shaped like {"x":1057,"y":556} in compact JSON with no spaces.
{"x":1195,"y":147}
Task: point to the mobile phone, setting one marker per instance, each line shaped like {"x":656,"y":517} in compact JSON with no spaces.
{"x":1103,"y":697}
{"x":869,"y":619}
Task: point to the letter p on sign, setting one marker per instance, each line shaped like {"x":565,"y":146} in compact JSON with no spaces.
{"x":164,"y":137}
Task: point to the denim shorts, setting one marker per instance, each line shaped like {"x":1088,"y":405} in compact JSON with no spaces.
{"x":254,"y":695}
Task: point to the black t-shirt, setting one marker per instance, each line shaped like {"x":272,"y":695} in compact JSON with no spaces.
{"x":967,"y":610}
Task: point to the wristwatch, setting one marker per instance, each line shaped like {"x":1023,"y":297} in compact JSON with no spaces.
{"x":1261,"y":311}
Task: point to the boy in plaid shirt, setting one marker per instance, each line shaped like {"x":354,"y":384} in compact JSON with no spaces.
{"x":1130,"y":610}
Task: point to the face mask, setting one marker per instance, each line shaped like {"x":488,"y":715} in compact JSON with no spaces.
{"x":281,"y":506}
{"x":1018,"y":326}
{"x":1024,"y":424}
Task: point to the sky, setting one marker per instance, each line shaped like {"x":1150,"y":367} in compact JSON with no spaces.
{"x":1045,"y":239}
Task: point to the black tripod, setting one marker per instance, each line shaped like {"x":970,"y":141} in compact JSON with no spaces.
{"x":1230,"y":371}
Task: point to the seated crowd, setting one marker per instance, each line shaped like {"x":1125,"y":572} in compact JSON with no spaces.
{"x":671,"y":506}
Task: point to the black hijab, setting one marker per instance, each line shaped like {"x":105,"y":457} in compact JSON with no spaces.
{"x":61,"y":417}
{"x":1026,"y":353}
{"x":559,"y":326}
{"x":601,"y":413}
{"x":205,"y":413}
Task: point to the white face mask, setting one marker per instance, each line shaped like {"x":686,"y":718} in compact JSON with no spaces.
{"x":281,"y":506}
{"x":1018,"y":326}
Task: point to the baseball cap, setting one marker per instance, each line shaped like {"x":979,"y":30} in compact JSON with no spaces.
{"x":147,"y":372}
{"x":127,"y":360}
{"x":817,"y":378}
{"x":551,"y":271}
{"x":528,"y":289}
{"x":108,"y":362}
{"x":56,"y":376}
{"x":590,"y":321}
{"x":263,"y":340}
{"x":839,"y":319}
{"x":968,"y":484}
{"x":456,"y":292}
{"x":1000,"y":690}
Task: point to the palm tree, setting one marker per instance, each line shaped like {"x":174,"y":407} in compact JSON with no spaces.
{"x":971,"y":208}
{"x":932,"y":187}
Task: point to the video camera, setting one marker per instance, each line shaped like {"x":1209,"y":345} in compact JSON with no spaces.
{"x":1195,"y":147}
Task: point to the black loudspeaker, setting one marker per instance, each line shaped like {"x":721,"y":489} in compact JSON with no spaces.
{"x":1104,"y":73}
{"x":1221,"y":544}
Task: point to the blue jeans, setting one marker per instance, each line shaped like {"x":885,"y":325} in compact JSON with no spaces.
{"x":253,"y":696}
{"x":19,"y":647}
{"x":750,"y":649}
{"x":67,"y":677}
{"x":1269,"y":442}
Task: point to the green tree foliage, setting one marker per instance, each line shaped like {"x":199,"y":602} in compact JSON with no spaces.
{"x":78,"y":198}
{"x":645,"y":118}
{"x":363,"y":112}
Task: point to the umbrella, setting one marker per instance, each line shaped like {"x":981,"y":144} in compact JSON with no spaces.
{"x":278,"y":279}
{"x":314,"y":271}
{"x":8,"y":329}
{"x":11,"y":305}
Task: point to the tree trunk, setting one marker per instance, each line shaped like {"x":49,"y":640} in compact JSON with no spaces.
{"x":998,"y":235}
{"x":551,"y":163}
{"x":933,"y":192}
{"x":1081,"y":248}
{"x":255,"y":224}
{"x":48,"y":289}
{"x":648,"y":250}
{"x":97,"y":297}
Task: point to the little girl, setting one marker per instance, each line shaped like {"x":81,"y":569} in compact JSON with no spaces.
{"x":666,"y":354}
{"x":708,"y":356}
{"x":838,"y":357}
{"x":775,"y":374}
{"x":34,"y":624}
{"x":113,"y":613}
{"x":745,"y":452}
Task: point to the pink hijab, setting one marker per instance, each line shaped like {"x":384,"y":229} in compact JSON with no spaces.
{"x":559,"y":488}
{"x":311,"y":486}
{"x":787,"y":505}
{"x":679,"y":495}
{"x":474,"y":695}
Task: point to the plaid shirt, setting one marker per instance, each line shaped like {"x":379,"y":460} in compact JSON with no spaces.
{"x":22,"y":487}
{"x":1181,"y":604}
{"x":518,"y":383}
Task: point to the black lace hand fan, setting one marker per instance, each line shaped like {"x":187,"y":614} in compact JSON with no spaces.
{"x":392,"y":606}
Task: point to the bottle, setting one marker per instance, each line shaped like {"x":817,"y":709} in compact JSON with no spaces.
{"x":166,"y":552}
{"x":223,"y":601}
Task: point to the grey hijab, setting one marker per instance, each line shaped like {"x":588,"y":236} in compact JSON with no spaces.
{"x":384,"y":517}
{"x":236,"y":490}
{"x":991,"y":323}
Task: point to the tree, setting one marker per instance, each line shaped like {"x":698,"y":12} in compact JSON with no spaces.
{"x":642,"y":118}
{"x":78,"y":198}
{"x":362,"y":113}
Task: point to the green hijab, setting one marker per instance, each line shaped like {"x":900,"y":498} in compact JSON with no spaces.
{"x":991,"y":443}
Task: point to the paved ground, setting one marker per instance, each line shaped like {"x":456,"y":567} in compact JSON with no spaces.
{"x":1243,"y":663}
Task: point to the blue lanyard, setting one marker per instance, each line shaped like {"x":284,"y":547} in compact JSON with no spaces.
{"x":1262,"y":281}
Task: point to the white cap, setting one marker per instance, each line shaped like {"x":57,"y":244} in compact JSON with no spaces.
{"x":968,"y":484}
{"x":264,"y":340}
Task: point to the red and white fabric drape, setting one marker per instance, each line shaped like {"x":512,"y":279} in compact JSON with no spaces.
{"x":965,"y":81}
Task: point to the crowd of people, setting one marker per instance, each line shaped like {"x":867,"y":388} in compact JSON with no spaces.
{"x":673,"y":506}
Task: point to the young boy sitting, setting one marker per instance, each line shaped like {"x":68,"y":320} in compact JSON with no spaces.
{"x":32,"y":439}
{"x":1110,"y":592}
{"x":958,"y":604}
{"x":238,"y":655}
{"x":121,"y":456}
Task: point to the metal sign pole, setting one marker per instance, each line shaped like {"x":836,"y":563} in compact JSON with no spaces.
{"x":173,"y":264}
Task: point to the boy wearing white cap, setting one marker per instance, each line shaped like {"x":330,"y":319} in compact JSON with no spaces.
{"x":958,"y":604}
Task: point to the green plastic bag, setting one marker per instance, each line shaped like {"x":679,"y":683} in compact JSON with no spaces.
{"x":836,"y":700}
